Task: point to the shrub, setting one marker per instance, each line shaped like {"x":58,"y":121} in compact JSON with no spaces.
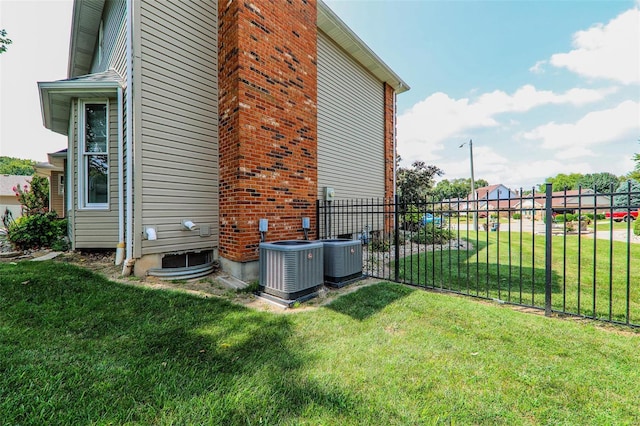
{"x":597,"y":216}
{"x":566,"y":217}
{"x":61,"y":244}
{"x":37,"y":230}
{"x":35,"y":198}
{"x":431,"y":234}
{"x":585,"y":219}
{"x":411,"y":219}
{"x":517,"y":216}
{"x":379,"y":244}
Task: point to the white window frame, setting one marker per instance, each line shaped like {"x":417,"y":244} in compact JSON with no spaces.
{"x":83,"y":203}
{"x":61,"y":184}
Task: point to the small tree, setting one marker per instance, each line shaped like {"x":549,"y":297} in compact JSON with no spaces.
{"x":415,"y":183}
{"x":34,"y":198}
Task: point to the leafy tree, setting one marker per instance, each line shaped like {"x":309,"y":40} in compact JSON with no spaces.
{"x":480,"y":183}
{"x":415,"y":183}
{"x":599,"y":182}
{"x":4,"y":41}
{"x":16,"y":166}
{"x":562,"y":181}
{"x":635,"y":173}
{"x":456,"y":188}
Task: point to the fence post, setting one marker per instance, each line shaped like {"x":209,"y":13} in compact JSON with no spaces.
{"x":396,"y":238}
{"x":547,"y":249}
{"x":318,"y":219}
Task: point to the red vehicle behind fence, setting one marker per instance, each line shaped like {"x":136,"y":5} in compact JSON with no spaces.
{"x":623,"y":215}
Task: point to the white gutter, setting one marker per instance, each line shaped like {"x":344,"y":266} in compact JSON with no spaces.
{"x":128,"y":264}
{"x":120,"y":247}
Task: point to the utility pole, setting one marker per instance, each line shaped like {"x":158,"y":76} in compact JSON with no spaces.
{"x":473,"y":187}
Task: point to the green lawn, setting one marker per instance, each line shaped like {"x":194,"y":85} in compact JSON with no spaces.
{"x":77,"y":349}
{"x":492,"y":268}
{"x":605,"y":225}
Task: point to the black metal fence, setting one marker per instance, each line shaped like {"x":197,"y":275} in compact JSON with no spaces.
{"x":573,"y":252}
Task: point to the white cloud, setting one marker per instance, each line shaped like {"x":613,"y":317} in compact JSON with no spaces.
{"x":538,"y":67}
{"x":574,"y":140}
{"x":423,"y":129}
{"x":610,"y":51}
{"x":517,"y":172}
{"x":528,"y":97}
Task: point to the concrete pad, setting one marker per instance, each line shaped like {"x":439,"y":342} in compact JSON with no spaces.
{"x":232,"y":282}
{"x":48,"y":256}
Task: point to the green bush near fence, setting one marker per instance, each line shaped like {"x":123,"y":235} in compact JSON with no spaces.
{"x":431,"y":234}
{"x":565,"y":217}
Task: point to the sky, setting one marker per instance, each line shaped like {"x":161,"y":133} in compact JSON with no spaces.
{"x":541,"y":86}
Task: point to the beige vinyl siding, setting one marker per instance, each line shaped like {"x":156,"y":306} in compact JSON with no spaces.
{"x":57,"y":196}
{"x":179,"y":123}
{"x":350,"y":125}
{"x":113,"y":52}
{"x":97,"y":228}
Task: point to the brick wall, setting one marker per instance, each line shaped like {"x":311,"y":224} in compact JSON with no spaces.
{"x":268,"y":121}
{"x":389,"y":152}
{"x":389,"y":133}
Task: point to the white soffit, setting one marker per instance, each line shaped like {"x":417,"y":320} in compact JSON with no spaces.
{"x":330,"y":24}
{"x":55,"y":96}
{"x":85,"y":25}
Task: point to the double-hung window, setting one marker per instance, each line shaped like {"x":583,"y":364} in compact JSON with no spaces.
{"x":94,"y":157}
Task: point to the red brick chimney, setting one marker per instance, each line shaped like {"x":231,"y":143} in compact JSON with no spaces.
{"x":268,"y":121}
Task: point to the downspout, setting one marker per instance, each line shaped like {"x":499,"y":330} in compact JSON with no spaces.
{"x":395,"y":148}
{"x":128,"y":264}
{"x":120,"y":246}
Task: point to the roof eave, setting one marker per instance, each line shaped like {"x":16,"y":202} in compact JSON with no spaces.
{"x":83,"y":37}
{"x":56,"y":95}
{"x":330,"y":24}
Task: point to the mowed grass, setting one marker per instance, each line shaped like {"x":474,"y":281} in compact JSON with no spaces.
{"x":511,"y":267}
{"x":607,"y":224}
{"x":77,"y":349}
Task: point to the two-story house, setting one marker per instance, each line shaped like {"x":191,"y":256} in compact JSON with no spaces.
{"x":189,"y":121}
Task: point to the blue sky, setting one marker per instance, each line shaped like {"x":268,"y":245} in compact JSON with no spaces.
{"x":542,"y":87}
